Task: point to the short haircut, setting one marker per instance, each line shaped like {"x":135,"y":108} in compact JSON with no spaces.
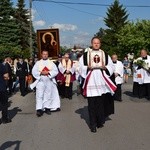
{"x":95,"y":37}
{"x":44,"y":51}
{"x":144,"y":50}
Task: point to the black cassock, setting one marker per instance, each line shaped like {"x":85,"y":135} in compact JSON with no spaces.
{"x":141,"y":90}
{"x":108,"y":99}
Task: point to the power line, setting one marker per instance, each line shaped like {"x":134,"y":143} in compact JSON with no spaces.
{"x":93,"y":14}
{"x":71,"y":3}
{"x":39,"y":14}
{"x":81,"y":10}
{"x":90,"y":4}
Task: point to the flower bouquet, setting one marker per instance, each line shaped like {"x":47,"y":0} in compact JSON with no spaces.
{"x":141,"y":63}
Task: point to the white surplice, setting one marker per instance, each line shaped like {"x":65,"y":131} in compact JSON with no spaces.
{"x":141,"y":75}
{"x":97,"y":84}
{"x":119,"y":70}
{"x":138,"y":74}
{"x":146,"y":74}
{"x":46,"y":88}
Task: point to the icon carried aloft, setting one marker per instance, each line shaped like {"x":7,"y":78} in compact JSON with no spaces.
{"x":52,"y":41}
{"x":48,"y":39}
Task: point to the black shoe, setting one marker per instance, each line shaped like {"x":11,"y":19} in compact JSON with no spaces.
{"x":47,"y":111}
{"x":93,"y":129}
{"x":23,"y":95}
{"x":6,"y":120}
{"x":58,"y":109}
{"x":148,"y":98}
{"x":120,"y":100}
{"x":39,"y":113}
{"x":10,"y":94}
{"x":62,"y":97}
{"x":13,"y":89}
{"x":100,"y":126}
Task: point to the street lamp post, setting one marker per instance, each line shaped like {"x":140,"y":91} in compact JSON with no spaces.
{"x":30,"y":13}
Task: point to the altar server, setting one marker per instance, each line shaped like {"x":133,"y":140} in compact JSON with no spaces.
{"x":47,"y":97}
{"x":144,"y":75}
{"x":118,"y":73}
{"x":135,"y":90}
{"x":96,"y":67}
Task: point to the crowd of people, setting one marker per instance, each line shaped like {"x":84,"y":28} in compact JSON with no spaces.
{"x":100,"y":78}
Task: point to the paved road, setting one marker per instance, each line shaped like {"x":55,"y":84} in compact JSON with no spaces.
{"x":128,"y":129}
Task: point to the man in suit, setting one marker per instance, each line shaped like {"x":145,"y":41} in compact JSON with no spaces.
{"x":7,"y":63}
{"x":3,"y":94}
{"x":22,"y":75}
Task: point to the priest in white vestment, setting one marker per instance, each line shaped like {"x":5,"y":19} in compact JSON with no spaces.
{"x":118,"y":73}
{"x":47,"y":97}
{"x":96,"y":67}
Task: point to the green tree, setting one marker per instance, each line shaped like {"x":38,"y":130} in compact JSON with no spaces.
{"x":134,"y":36}
{"x":100,"y":33}
{"x":13,"y":52}
{"x":8,"y":28}
{"x":116,"y":19}
{"x":63,"y":49}
{"x":22,"y":19}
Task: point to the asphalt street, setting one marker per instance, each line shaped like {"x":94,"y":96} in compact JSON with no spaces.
{"x":127,"y":129}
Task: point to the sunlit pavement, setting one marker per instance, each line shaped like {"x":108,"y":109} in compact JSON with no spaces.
{"x":127,"y":129}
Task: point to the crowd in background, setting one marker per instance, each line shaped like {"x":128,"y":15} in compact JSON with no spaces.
{"x":20,"y":73}
{"x":20,"y":76}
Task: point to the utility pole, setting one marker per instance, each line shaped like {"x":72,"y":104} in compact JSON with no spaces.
{"x":30,"y":13}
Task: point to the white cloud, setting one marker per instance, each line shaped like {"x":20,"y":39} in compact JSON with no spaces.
{"x":65,"y":27}
{"x":100,"y":19}
{"x":39,"y":23}
{"x":82,"y":34}
{"x":97,"y":20}
{"x":79,"y":39}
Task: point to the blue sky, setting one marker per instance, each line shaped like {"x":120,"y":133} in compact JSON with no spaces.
{"x":78,"y":23}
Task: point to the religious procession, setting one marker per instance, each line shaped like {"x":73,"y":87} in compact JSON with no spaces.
{"x":99,"y":77}
{"x":74,"y":75}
